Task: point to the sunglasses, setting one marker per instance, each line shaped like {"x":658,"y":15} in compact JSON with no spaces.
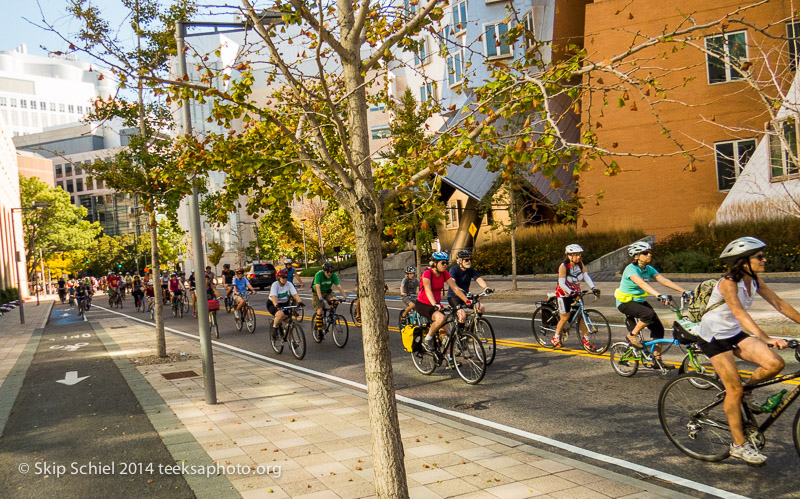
{"x":760,"y":257}
{"x":648,"y":252}
{"x":466,"y":259}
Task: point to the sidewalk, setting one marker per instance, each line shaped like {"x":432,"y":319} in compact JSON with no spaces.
{"x":300,"y":436}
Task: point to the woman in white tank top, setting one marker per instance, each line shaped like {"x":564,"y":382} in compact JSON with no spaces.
{"x":723,"y":337}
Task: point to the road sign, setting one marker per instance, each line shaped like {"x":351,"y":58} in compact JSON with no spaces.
{"x":472,"y":230}
{"x":71,"y":378}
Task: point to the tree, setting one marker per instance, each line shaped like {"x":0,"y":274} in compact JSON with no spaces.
{"x":217,"y":250}
{"x":57,"y":228}
{"x":171,"y":241}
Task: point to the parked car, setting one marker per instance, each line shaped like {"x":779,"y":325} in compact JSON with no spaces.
{"x":261,"y":275}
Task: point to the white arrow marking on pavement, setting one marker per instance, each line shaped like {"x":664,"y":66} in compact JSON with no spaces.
{"x":71,"y":378}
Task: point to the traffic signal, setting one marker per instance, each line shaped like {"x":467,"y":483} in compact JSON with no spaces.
{"x":119,"y":266}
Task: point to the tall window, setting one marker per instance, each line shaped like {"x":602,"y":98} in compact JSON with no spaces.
{"x":421,"y":56}
{"x":496,"y":41}
{"x":426,"y":92}
{"x":452,"y":216}
{"x":42,"y":106}
{"x":23,"y":104}
{"x":793,"y":35}
{"x":380,"y":132}
{"x":527,"y":23}
{"x":732,"y":156}
{"x":79,"y":185}
{"x":724,"y":52}
{"x":78,"y":170}
{"x":69,"y":186}
{"x":68,"y":169}
{"x":62,"y":108}
{"x":58,"y":170}
{"x":71,"y":108}
{"x":455,"y":67}
{"x":53,"y":106}
{"x":460,"y":17}
{"x":783,"y":154}
{"x":13,"y":102}
{"x":3,"y":101}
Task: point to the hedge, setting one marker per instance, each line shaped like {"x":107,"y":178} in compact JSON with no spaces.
{"x":8,"y":295}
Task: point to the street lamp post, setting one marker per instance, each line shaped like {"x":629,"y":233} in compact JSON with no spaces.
{"x":17,"y":256}
{"x":305,"y":254}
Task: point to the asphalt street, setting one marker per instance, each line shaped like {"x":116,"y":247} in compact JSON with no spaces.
{"x":566,"y":395}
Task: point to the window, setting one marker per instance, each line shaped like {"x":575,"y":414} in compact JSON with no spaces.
{"x":60,"y":184}
{"x":452,"y":216}
{"x":78,"y":170}
{"x":725,"y":51}
{"x":527,"y":24}
{"x":80,"y":109}
{"x":68,"y":169}
{"x":71,"y":108}
{"x":53,"y":106}
{"x":380,"y":132}
{"x":99,"y":184}
{"x":69,"y":186}
{"x":793,"y":35}
{"x":58,"y":170}
{"x":459,"y":17}
{"x":13,"y":102}
{"x":61,"y":108}
{"x":23,"y":104}
{"x":496,"y":40}
{"x":379,"y":107}
{"x":42,"y":106}
{"x":411,"y":8}
{"x":33,"y":105}
{"x":426,"y":92}
{"x":783,"y":162}
{"x":732,"y":156}
{"x":3,"y":101}
{"x":421,"y":56}
{"x":79,"y":185}
{"x":455,"y":68}
{"x":88,"y":183}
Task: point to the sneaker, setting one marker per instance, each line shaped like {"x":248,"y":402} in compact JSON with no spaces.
{"x":588,"y":344}
{"x":750,"y":401}
{"x":273,"y":332}
{"x":634,"y":340}
{"x":427,"y":344}
{"x":749,"y":454}
{"x":237,"y":315}
{"x":557,"y":342}
{"x":194,"y":314}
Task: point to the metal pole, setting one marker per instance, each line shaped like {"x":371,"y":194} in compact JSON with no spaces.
{"x":321,"y":247}
{"x":305,"y":253}
{"x":258,"y":249}
{"x":16,"y":265}
{"x":44,"y":276}
{"x":197,"y":240}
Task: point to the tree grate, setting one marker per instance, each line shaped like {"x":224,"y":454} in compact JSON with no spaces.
{"x":180,"y":374}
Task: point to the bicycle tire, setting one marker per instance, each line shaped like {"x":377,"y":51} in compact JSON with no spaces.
{"x":278,"y":340}
{"x":701,"y":365}
{"x":353,"y":307}
{"x":238,"y":322}
{"x":544,"y":331}
{"x":212,"y":323}
{"x":483,"y":329}
{"x":622,"y":360}
{"x":185,"y":304}
{"x":340,"y":331}
{"x":297,"y":341}
{"x":152,"y":312}
{"x":388,"y":318}
{"x":599,"y":331}
{"x":174,"y":309}
{"x":228,"y":305}
{"x":180,"y":310}
{"x":796,"y":432}
{"x":704,"y":436}
{"x":82,"y":308}
{"x":424,"y":362}
{"x":469,"y":357}
{"x":251,"y":320}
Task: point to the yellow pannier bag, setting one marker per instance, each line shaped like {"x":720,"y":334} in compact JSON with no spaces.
{"x":412,"y":338}
{"x":625,"y":297}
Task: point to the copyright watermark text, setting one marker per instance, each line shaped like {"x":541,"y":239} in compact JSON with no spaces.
{"x":136,"y":468}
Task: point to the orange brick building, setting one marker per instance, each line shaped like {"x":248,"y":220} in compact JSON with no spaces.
{"x":709,"y":108}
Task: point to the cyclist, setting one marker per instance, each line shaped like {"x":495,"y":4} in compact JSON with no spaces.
{"x":192,"y":280}
{"x":570,"y":274}
{"x":82,"y":293}
{"x":279,"y":295}
{"x":430,"y":294}
{"x":128,"y":283}
{"x":322,"y":291}
{"x":631,"y":296}
{"x":210,"y":273}
{"x":211,"y":289}
{"x":62,"y":289}
{"x":113,"y":284}
{"x":409,"y":287}
{"x":136,"y":292}
{"x":463,"y":274}
{"x":149,"y":296}
{"x":240,"y":286}
{"x":175,"y":288}
{"x":723,"y":337}
{"x":165,"y":287}
{"x":291,"y":272}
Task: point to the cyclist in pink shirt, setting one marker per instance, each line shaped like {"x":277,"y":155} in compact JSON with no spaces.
{"x":430,"y":294}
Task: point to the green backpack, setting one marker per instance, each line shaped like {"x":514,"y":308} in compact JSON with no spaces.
{"x":698,"y":305}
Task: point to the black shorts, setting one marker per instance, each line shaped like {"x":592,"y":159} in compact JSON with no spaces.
{"x":271,"y":308}
{"x":644,"y":312}
{"x":426,"y":310}
{"x":164,"y":286}
{"x":177,"y":292}
{"x":455,"y":302}
{"x":564,"y":304}
{"x":716,"y":347}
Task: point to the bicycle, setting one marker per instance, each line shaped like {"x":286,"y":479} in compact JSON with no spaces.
{"x":291,"y":331}
{"x":468,"y":355}
{"x":81,"y":306}
{"x":177,"y":306}
{"x":247,"y":316}
{"x":479,"y":326}
{"x":331,"y":322}
{"x":413,"y":318}
{"x":114,"y":299}
{"x":229,"y":306}
{"x":625,"y":358}
{"x":695,"y":422}
{"x":545,"y":319}
{"x":357,"y":317}
{"x":186,"y":302}
{"x":72,"y":299}
{"x":212,"y":319}
{"x":152,"y":309}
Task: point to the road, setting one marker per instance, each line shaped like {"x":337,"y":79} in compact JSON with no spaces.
{"x":565,"y":395}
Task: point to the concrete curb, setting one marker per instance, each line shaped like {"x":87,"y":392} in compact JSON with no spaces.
{"x":178,"y":440}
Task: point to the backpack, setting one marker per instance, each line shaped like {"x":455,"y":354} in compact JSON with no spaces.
{"x":412,"y":337}
{"x":698,"y":304}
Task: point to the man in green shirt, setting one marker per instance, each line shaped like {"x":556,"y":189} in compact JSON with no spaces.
{"x":322,"y":290}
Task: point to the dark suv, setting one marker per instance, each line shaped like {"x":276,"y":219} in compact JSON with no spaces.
{"x":261,"y":275}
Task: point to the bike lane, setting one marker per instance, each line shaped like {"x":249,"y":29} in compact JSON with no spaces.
{"x":76,"y":429}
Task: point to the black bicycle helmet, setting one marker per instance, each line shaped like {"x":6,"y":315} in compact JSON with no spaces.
{"x":465,"y":253}
{"x":327,"y":266}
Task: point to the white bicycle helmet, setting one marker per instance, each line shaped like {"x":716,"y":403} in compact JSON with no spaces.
{"x":573,"y":248}
{"x":410,"y":269}
{"x":638,"y":248}
{"x":741,"y":247}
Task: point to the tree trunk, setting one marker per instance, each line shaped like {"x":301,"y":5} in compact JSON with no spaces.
{"x":417,"y":253}
{"x":513,"y":243}
{"x":387,"y":446}
{"x":161,"y":344}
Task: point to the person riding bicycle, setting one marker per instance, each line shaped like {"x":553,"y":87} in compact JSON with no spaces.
{"x":192,"y":283}
{"x":227,"y":278}
{"x":136,"y":290}
{"x":128,"y":282}
{"x":279,"y":296}
{"x":290,"y":270}
{"x":211,"y":289}
{"x":149,"y":295}
{"x":62,"y":289}
{"x":240,"y":286}
{"x":81,"y":294}
{"x":322,"y":291}
{"x":570,"y":274}
{"x":430,"y":294}
{"x":723,"y":337}
{"x":463,"y":274}
{"x":409,"y":287}
{"x":210,"y":273}
{"x":175,"y":288}
{"x":631,"y":296}
{"x":113,"y":284}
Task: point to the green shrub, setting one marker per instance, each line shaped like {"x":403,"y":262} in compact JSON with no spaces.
{"x":688,"y":261}
{"x":7,"y":295}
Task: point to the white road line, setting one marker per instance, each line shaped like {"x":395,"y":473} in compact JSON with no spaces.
{"x":685,"y":482}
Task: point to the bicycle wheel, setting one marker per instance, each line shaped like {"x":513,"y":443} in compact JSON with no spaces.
{"x":180,"y":310}
{"x":212,"y":323}
{"x":543,"y":325}
{"x":693,"y":419}
{"x":340,"y":331}
{"x":425,"y":362}
{"x":152,"y":312}
{"x":796,"y":432}
{"x":185,"y":304}
{"x":228,"y":305}
{"x":624,"y":359}
{"x":483,"y":330}
{"x":277,"y":341}
{"x":469,"y":357}
{"x":353,"y":307}
{"x":599,"y":332}
{"x":387,"y":315}
{"x":175,"y":308}
{"x":238,"y":321}
{"x":316,"y":332}
{"x":297,"y":341}
{"x":701,"y":365}
{"x":251,"y":320}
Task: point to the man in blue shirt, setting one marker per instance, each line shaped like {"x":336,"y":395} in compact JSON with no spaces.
{"x":464,"y":274}
{"x":240,"y":287}
{"x":290,"y":270}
